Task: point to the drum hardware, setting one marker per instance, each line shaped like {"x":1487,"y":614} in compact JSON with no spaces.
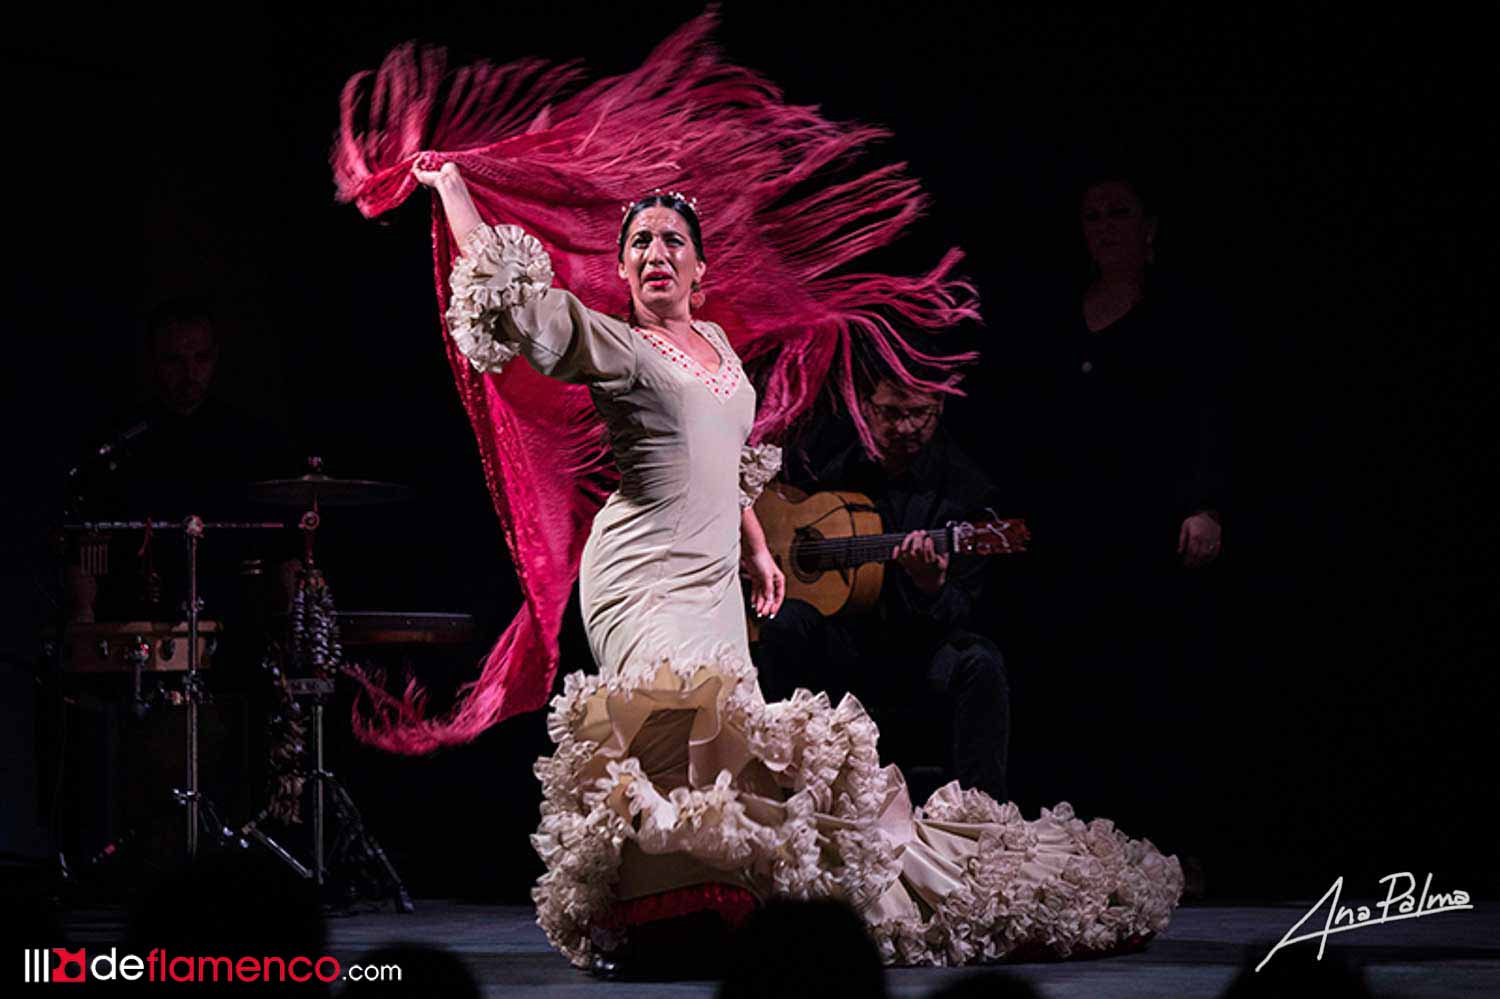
{"x":193,"y":529}
{"x":138,"y":656}
{"x":253,"y":831}
{"x":353,"y":842}
{"x":310,"y":687}
{"x":312,"y":649}
{"x":109,"y":647}
{"x":198,"y":808}
{"x":200,"y":813}
{"x":315,"y":490}
{"x":107,"y":526}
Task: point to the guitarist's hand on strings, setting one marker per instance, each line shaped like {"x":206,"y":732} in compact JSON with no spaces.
{"x":927,"y":569}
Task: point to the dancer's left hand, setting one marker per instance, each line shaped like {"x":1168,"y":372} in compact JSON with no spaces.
{"x":767,"y":583}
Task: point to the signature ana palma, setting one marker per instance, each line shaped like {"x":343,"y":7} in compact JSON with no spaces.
{"x":1342,"y":918}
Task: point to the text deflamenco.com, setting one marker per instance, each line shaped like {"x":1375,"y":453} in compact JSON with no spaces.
{"x":58,"y":964}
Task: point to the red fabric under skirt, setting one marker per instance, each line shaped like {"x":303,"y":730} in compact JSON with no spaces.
{"x":733,"y":904}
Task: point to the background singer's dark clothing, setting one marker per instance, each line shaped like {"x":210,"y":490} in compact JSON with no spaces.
{"x":1127,"y":430}
{"x":1128,"y":437}
{"x":937,"y":688}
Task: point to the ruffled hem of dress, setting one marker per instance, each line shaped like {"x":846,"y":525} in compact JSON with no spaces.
{"x":1053,"y":887}
{"x":824,"y":759}
{"x":502,"y":268}
{"x":843,"y":828}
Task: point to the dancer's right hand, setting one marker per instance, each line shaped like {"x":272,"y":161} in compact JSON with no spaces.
{"x":430,"y":178}
{"x":458,"y":204}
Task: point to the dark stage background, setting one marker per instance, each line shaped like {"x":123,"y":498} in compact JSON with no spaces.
{"x":1320,"y":175}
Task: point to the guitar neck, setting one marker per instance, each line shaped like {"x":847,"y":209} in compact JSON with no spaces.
{"x":846,"y":553}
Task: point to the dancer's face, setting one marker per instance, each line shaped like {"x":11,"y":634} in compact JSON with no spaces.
{"x":1116,"y":228}
{"x":660,"y":263}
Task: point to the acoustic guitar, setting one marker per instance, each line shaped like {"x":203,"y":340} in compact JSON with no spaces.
{"x":831,"y":547}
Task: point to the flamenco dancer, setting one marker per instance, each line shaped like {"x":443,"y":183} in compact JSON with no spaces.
{"x":675,"y":787}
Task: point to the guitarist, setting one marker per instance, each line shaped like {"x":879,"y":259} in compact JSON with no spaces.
{"x":916,"y":648}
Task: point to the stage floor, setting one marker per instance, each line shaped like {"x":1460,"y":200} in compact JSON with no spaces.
{"x":1447,"y":954}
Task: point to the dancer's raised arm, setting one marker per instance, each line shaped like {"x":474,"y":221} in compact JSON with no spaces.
{"x":502,"y":302}
{"x":458,"y":205}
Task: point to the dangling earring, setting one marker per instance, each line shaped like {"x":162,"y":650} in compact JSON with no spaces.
{"x":697,"y":298}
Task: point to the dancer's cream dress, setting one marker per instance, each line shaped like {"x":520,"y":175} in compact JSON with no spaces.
{"x":671,"y":770}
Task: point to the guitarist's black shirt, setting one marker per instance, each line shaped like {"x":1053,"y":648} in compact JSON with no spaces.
{"x":911,"y":645}
{"x":943,"y":484}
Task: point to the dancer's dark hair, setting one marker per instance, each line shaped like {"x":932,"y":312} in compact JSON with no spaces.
{"x":671,"y":200}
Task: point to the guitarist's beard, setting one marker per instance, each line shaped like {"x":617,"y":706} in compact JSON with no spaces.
{"x":901,"y":452}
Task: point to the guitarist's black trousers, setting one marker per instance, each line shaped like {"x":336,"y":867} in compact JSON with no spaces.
{"x":938,"y":699}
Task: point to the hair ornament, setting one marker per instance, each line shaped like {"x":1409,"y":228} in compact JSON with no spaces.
{"x":689,"y":200}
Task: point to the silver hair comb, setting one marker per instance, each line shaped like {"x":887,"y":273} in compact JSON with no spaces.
{"x":691,"y":202}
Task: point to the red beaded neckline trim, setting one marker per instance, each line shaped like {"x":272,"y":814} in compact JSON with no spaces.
{"x":721,"y":383}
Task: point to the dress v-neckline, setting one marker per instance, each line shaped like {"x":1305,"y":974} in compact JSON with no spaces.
{"x":721,"y":382}
{"x":712,"y":345}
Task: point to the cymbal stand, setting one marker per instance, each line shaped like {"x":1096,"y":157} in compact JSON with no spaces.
{"x":312,"y":645}
{"x":192,"y":686}
{"x":309,"y":526}
{"x":353,"y":836}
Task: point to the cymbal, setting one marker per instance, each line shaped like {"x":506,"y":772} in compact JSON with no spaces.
{"x":327,"y":491}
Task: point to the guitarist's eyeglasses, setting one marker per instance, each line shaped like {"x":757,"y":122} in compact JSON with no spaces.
{"x":918,"y":418}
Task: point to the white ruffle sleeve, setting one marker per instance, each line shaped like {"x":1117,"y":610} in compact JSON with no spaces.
{"x":758,"y":466}
{"x":502,"y":305}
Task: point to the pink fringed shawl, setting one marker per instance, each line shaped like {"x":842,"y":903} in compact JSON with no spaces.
{"x":778,"y":235}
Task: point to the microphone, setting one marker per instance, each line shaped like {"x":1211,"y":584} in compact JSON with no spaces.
{"x":123,"y":438}
{"x":111,"y":446}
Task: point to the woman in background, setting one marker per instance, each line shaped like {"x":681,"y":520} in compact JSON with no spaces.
{"x":1129,"y":395}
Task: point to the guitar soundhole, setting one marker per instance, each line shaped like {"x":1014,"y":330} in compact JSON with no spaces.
{"x":805,"y":563}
